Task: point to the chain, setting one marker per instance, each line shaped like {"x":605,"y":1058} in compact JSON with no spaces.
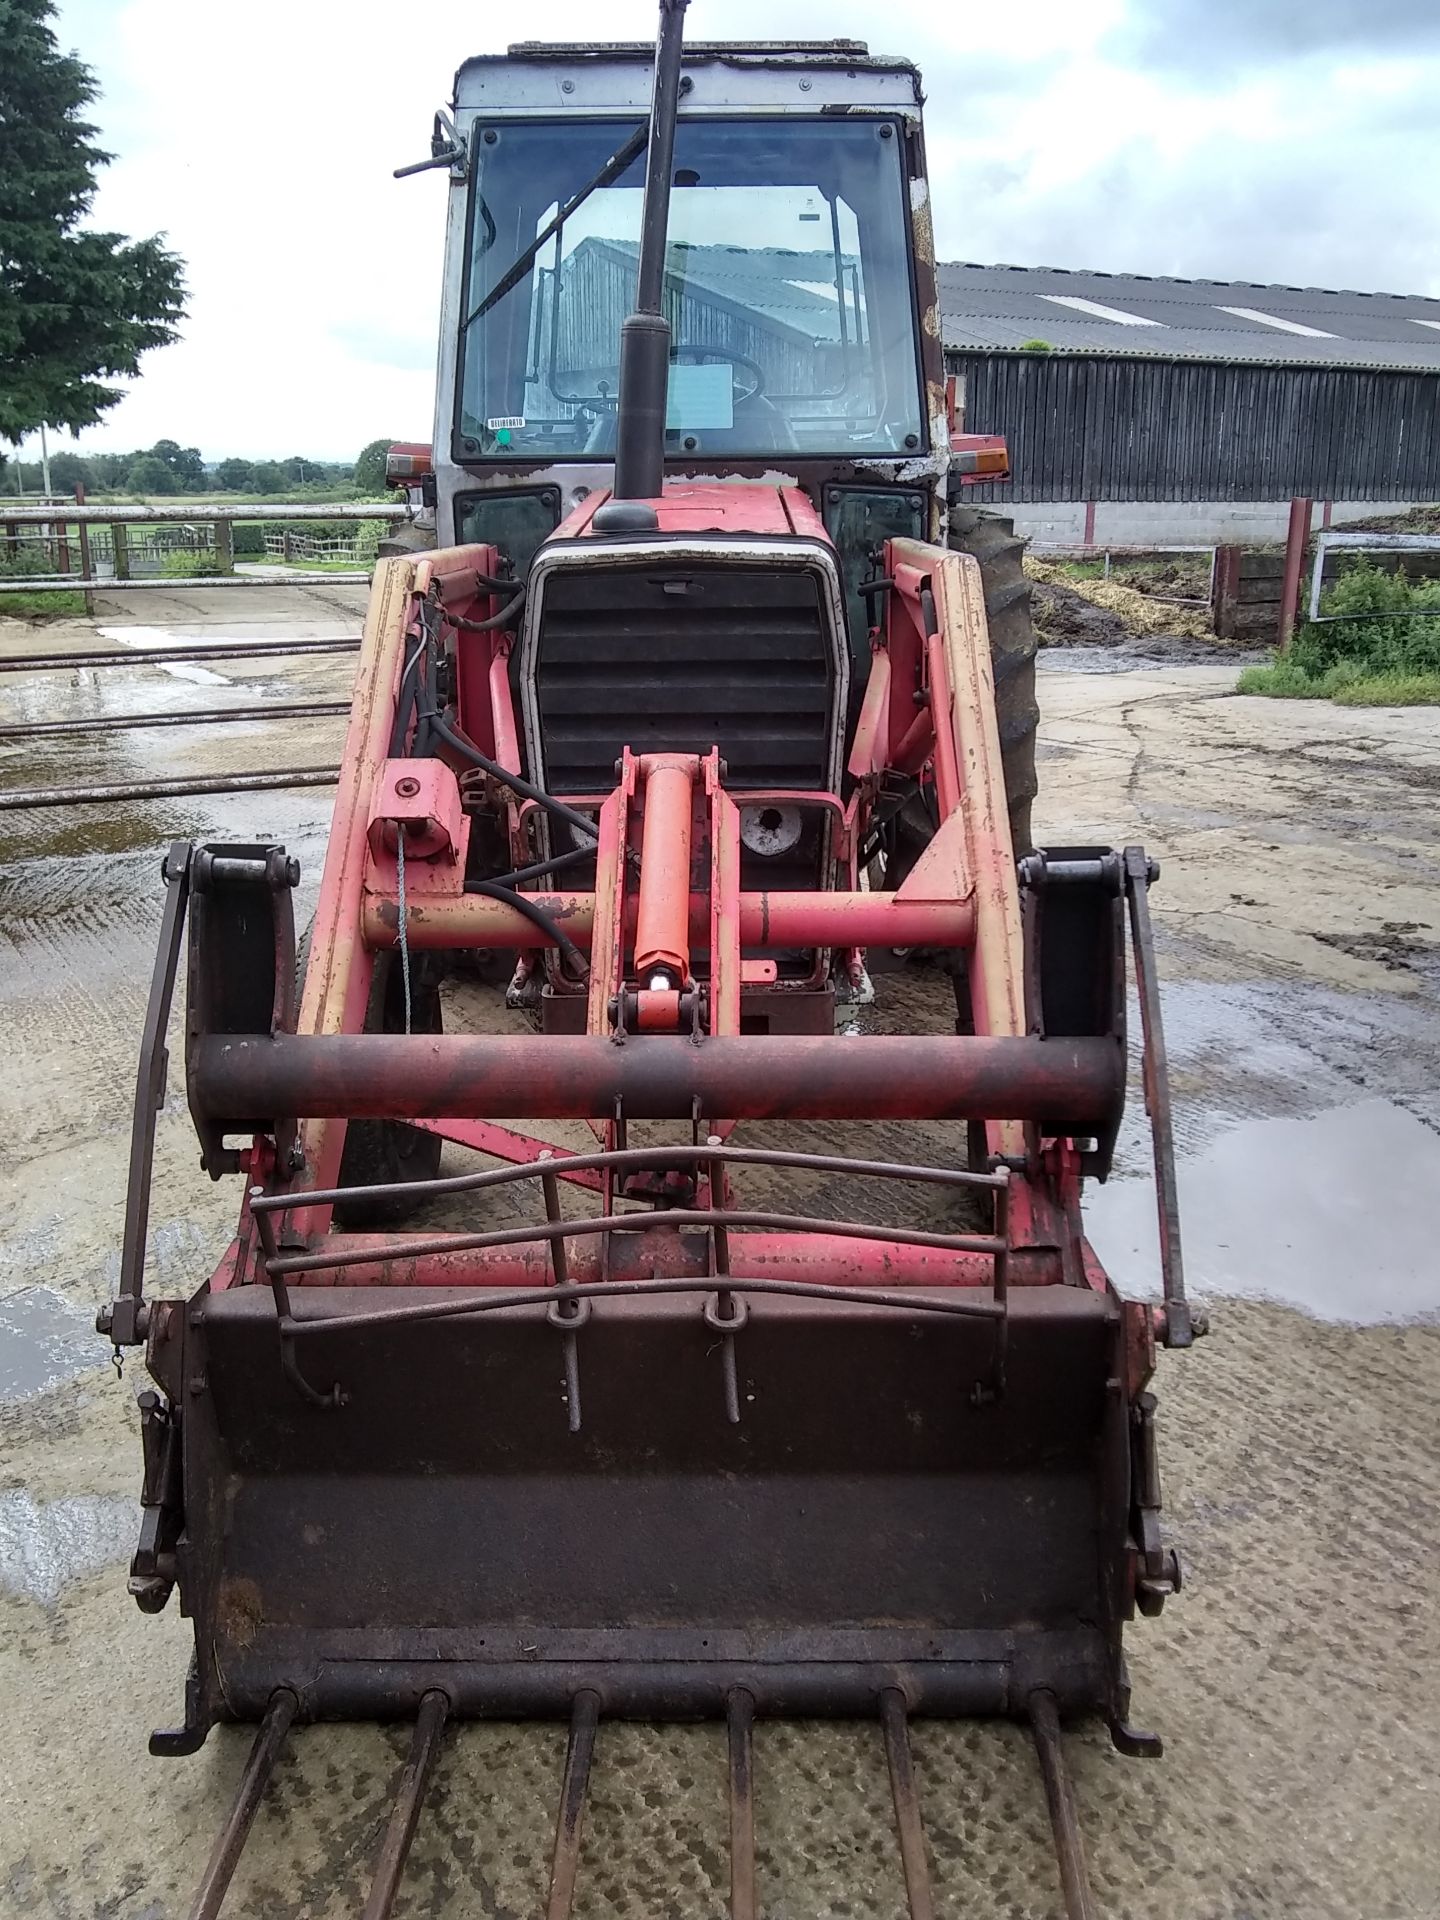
{"x":404,"y":929}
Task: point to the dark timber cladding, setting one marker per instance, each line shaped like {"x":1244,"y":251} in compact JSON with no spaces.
{"x":1110,"y":427}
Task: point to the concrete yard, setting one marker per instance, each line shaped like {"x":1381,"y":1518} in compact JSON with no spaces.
{"x":1296,"y":1680}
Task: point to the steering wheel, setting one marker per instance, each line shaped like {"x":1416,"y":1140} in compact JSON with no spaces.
{"x":699,"y":352}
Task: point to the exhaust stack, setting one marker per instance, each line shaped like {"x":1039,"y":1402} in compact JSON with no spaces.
{"x":645,"y":335}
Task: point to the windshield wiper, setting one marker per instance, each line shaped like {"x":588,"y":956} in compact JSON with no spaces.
{"x":517,"y":270}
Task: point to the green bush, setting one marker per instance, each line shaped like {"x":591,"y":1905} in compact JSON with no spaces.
{"x":1381,"y":645}
{"x":186,"y":564}
{"x":248,"y":538}
{"x":23,"y":563}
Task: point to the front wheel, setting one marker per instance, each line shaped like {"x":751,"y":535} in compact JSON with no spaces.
{"x":382,"y":1152}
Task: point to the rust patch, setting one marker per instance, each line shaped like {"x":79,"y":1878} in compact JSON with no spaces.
{"x":238,"y":1612}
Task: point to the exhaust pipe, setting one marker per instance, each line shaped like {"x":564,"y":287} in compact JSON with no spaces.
{"x":645,"y":335}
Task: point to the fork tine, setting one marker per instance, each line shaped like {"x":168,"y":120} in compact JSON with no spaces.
{"x":405,"y":1813}
{"x":909,"y":1822}
{"x":1060,"y":1795}
{"x":585,"y":1717}
{"x":230,"y":1842}
{"x":740,"y":1717}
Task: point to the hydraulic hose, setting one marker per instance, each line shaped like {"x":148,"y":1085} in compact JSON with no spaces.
{"x":495,"y":620}
{"x":517,"y":782}
{"x":537,"y":916}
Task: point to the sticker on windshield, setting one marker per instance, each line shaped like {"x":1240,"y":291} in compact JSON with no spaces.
{"x":506,"y":421}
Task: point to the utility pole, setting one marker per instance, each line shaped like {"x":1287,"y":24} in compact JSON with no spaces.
{"x":44,"y":459}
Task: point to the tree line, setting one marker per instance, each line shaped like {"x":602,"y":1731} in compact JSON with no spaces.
{"x":168,"y":468}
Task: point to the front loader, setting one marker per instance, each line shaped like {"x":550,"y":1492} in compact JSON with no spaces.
{"x":748,"y":1358}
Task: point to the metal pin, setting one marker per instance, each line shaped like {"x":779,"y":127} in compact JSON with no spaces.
{"x":563,"y":1867}
{"x":225,"y":1854}
{"x":405,"y":1813}
{"x":740,"y":1717}
{"x":566,"y":1316}
{"x":1064,"y":1820}
{"x":724,"y":1303}
{"x":909,"y":1823}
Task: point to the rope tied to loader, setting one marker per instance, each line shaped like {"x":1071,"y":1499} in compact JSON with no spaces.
{"x":404,"y":931}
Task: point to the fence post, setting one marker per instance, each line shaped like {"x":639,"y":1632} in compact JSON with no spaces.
{"x":224,"y":546}
{"x":1296,"y":537}
{"x":120,"y":542}
{"x":287,"y":545}
{"x":86,"y":569}
{"x":1225,"y":590}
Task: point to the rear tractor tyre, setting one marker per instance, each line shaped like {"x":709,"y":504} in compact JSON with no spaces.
{"x":407,"y":538}
{"x":991,"y":538}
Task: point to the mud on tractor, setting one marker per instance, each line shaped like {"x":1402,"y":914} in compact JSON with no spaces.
{"x":760,"y":1368}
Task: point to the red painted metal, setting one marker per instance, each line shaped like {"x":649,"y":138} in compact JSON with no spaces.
{"x":503,"y":731}
{"x":607,"y":956}
{"x":1297,"y":537}
{"x":503,"y":1143}
{"x":762,"y":919}
{"x":1066,"y":1086}
{"x":420,"y":798}
{"x":947,"y":768}
{"x":713,"y":507}
{"x":727,"y":910}
{"x":662,"y":936}
{"x":1089,"y":523}
{"x":663,"y":1252}
{"x":870,"y":747}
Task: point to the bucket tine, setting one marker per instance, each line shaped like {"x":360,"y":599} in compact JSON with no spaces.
{"x":740,"y":1717}
{"x":1064,"y":1820}
{"x":429,"y":1725}
{"x":225,"y":1854}
{"x":908,"y":1821}
{"x":584,"y":1719}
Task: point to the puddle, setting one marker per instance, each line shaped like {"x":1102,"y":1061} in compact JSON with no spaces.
{"x":1307,"y":1211}
{"x":43,"y":1341}
{"x":43,"y":1548}
{"x":158,"y":639}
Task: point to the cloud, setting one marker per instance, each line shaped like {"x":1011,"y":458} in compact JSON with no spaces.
{"x":1215,"y":138}
{"x":1218,"y":35}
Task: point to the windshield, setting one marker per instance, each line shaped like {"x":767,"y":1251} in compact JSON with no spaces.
{"x":787,"y":288}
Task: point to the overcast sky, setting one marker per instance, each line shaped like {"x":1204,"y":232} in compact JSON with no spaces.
{"x":1248,"y":139}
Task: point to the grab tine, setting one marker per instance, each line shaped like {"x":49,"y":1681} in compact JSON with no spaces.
{"x":404,"y":1815}
{"x":908,"y":1821}
{"x":583,"y":1722}
{"x":1064,"y":1820}
{"x":225,"y":1854}
{"x":740,"y":1717}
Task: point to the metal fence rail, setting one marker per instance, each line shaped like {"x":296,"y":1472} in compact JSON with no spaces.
{"x":194,"y":526}
{"x":1329,"y":542}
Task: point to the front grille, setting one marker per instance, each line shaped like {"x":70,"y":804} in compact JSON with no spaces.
{"x":681,"y":659}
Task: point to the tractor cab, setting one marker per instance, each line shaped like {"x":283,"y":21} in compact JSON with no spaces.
{"x":798,"y":286}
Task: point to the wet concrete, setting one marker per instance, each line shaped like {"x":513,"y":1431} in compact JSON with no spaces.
{"x":1296,"y":1678}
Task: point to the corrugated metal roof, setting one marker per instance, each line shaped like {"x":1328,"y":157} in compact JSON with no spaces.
{"x":1003,"y":307}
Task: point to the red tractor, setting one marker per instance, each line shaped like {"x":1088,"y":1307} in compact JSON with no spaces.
{"x":689,"y":711}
